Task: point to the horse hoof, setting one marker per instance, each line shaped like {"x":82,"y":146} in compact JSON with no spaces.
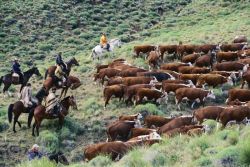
{"x":14,"y":131}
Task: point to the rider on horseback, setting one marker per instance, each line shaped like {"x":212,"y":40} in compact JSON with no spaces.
{"x":60,"y":71}
{"x":52,"y":103}
{"x":16,"y":69}
{"x":26,"y":97}
{"x":104,"y":42}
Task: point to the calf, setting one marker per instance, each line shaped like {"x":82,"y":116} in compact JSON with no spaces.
{"x":170,"y":49}
{"x":227,"y":56}
{"x":192,"y":94}
{"x":143,"y":49}
{"x":106,"y":72}
{"x":213,"y":80}
{"x":176,"y":123}
{"x":116,"y":90}
{"x":99,"y":67}
{"x":237,"y":113}
{"x":150,"y":94}
{"x":242,"y":95}
{"x":122,"y":129}
{"x":155,"y":120}
{"x":190,"y":58}
{"x":209,"y":112}
{"x":141,"y":131}
{"x":153,"y":60}
{"x":114,"y":149}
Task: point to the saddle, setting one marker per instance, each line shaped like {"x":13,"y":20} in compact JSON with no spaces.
{"x":54,"y":110}
{"x":15,"y":78}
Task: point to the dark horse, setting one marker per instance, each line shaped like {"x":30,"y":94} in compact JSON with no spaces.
{"x":18,"y":108}
{"x":72,"y":83}
{"x":7,"y":79}
{"x":58,"y":157}
{"x":40,"y":113}
{"x":51,"y":70}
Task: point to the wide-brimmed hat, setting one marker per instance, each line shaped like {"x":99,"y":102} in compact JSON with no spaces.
{"x":35,"y":146}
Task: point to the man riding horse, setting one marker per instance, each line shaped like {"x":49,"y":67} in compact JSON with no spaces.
{"x":104,"y":42}
{"x":61,"y":70}
{"x":16,"y":69}
{"x":27,"y":99}
{"x":52,"y":103}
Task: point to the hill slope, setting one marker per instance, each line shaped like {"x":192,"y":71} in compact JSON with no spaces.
{"x":37,"y":30}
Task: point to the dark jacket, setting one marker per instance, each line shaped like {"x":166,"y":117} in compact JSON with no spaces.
{"x":32,"y":155}
{"x":16,"y":67}
{"x":59,"y":60}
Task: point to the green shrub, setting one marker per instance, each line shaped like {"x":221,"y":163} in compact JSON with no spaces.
{"x":151,"y":108}
{"x":100,"y":161}
{"x":228,"y":156}
{"x":3,"y":125}
{"x":91,"y":105}
{"x":45,"y":47}
{"x":160,"y":160}
{"x":135,"y":159}
{"x":233,"y":137}
{"x":49,"y":140}
{"x":203,"y":161}
{"x":245,"y":152}
{"x":73,"y":126}
{"x":38,"y":163}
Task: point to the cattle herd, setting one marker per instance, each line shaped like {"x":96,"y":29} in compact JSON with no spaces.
{"x":201,"y":68}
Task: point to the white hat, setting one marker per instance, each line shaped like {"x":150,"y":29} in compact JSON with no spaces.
{"x":35,"y":146}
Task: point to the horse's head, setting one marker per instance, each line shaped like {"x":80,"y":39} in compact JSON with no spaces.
{"x":72,"y":102}
{"x":74,"y":61}
{"x":36,"y":71}
{"x":62,"y":159}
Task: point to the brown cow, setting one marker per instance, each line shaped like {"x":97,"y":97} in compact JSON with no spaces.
{"x":114,"y":81}
{"x":122,"y":129}
{"x":173,"y":66}
{"x":213,"y":80}
{"x":106,"y":72}
{"x":227,"y":56}
{"x":232,"y":47}
{"x":99,"y":67}
{"x":242,"y":95}
{"x":192,"y":94}
{"x":141,"y":131}
{"x":209,"y":112}
{"x":192,"y":77}
{"x":176,"y":123}
{"x":130,"y":91}
{"x":150,"y":94}
{"x":173,"y":73}
{"x":206,"y":48}
{"x":205,"y":60}
{"x":131,"y":72}
{"x":128,"y":81}
{"x":228,"y":66}
{"x":240,"y":39}
{"x":153,"y":59}
{"x":195,"y":132}
{"x":188,"y":49}
{"x":116,"y":90}
{"x":245,"y":78}
{"x":237,"y":113}
{"x":130,"y":117}
{"x":170,"y":49}
{"x":193,"y":70}
{"x":155,"y":120}
{"x":182,"y":130}
{"x":144,"y":49}
{"x":151,"y":136}
{"x":114,"y":149}
{"x":242,"y":54}
{"x":172,"y":87}
{"x":177,"y":81}
{"x":190,"y":58}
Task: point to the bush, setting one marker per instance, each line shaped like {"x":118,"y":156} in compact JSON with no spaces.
{"x":228,"y":156}
{"x":159,"y":160}
{"x":91,"y":105}
{"x":203,"y":161}
{"x":38,"y":163}
{"x":245,"y":152}
{"x":45,"y":47}
{"x":151,"y":108}
{"x":49,"y":140}
{"x":100,"y":161}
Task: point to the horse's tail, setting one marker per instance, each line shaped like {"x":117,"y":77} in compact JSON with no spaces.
{"x":46,"y":73}
{"x":31,"y":114}
{"x":10,"y":109}
{"x":1,"y":80}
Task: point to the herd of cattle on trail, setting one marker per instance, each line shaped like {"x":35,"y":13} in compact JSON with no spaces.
{"x":201,"y":67}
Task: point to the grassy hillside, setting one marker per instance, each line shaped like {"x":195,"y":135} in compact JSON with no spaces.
{"x":35,"y":31}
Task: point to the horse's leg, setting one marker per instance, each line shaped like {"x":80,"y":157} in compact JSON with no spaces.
{"x":61,"y":120}
{"x":6,"y":87}
{"x":37,"y":128}
{"x":33,"y":129}
{"x":62,"y":93}
{"x":65,"y":92}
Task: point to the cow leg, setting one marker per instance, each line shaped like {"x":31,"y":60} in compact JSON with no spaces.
{"x":106,"y":101}
{"x":243,"y":83}
{"x":33,"y":128}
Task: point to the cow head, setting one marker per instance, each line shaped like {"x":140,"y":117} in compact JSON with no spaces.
{"x":139,"y":116}
{"x":153,"y":81}
{"x":230,"y":81}
{"x":211,"y":95}
{"x":163,"y":99}
{"x":245,"y":68}
{"x":154,"y":136}
{"x":137,"y":123}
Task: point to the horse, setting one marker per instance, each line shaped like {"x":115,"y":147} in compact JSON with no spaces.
{"x":40,"y":113}
{"x":98,"y":51}
{"x":58,"y":157}
{"x":72,"y":83}
{"x":7,"y":79}
{"x":51,"y":70}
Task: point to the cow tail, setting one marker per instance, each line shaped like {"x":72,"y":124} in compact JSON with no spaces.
{"x":46,"y":73}
{"x":1,"y":80}
{"x":108,"y":134}
{"x":31,"y":114}
{"x":10,"y":112}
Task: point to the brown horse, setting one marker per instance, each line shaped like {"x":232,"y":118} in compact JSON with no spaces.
{"x":51,"y":70}
{"x":40,"y":113}
{"x":7,"y":79}
{"x":72,"y":83}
